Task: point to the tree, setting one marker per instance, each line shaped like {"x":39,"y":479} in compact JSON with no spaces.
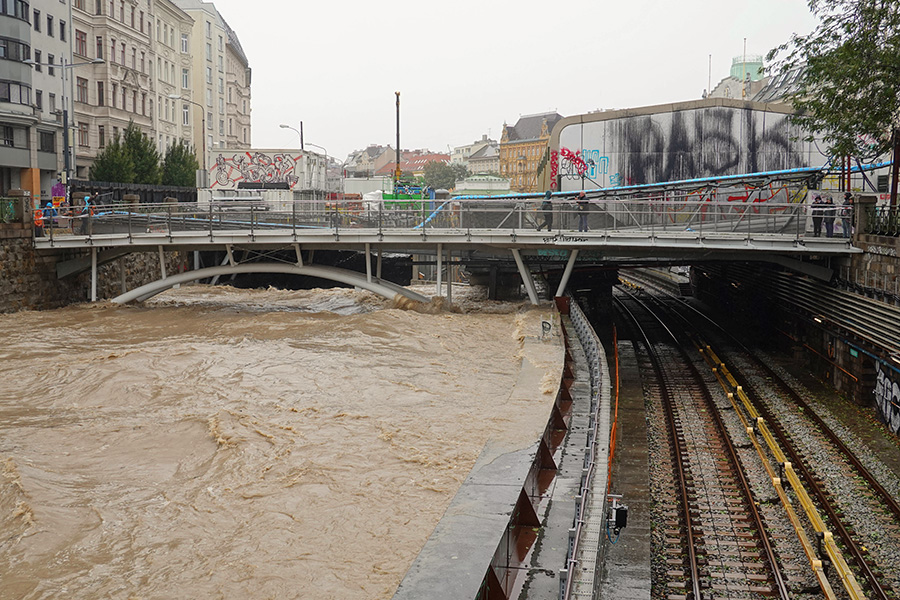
{"x":849,"y":75}
{"x":440,"y":175}
{"x":143,"y":154}
{"x":180,"y":165}
{"x":113,"y":164}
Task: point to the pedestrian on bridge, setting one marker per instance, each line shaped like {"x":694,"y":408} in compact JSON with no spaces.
{"x":847,"y":215}
{"x":818,"y":208}
{"x":830,"y":212}
{"x":583,"y":208}
{"x":547,"y":210}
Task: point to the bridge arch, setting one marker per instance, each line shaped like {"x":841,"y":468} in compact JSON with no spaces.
{"x":377,"y":286}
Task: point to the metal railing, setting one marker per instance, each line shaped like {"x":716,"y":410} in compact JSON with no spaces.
{"x":654,"y":216}
{"x":883,"y":220}
{"x":599,"y":388}
{"x":8,"y":213}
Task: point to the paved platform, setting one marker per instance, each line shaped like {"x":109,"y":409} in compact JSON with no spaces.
{"x":625,"y":574}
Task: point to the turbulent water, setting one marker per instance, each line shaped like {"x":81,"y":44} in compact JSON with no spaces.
{"x":243,"y":444}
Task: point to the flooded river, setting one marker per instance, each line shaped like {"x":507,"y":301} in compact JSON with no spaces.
{"x":249,"y":444}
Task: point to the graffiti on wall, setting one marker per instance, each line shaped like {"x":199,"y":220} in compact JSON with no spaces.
{"x":687,"y":144}
{"x":256,"y":167}
{"x":887,"y":397}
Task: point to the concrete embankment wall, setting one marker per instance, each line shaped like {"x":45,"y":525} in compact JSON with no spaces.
{"x":28,"y":279}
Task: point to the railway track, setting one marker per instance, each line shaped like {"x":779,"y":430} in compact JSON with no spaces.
{"x":716,"y":541}
{"x":862,"y":524}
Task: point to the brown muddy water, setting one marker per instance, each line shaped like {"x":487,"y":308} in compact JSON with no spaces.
{"x":221,"y":443}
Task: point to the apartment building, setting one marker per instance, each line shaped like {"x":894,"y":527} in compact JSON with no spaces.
{"x":34,"y":45}
{"x":225,"y":110}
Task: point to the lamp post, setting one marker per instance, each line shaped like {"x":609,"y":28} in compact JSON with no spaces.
{"x":202,"y":131}
{"x":295,"y":130}
{"x":67,"y":148}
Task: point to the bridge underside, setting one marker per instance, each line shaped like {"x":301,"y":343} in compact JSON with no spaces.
{"x":378,"y":286}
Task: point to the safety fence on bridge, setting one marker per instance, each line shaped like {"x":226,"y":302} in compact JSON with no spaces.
{"x":670,"y":213}
{"x":883,"y":220}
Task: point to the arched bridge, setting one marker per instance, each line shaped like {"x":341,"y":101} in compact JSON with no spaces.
{"x":746,"y":218}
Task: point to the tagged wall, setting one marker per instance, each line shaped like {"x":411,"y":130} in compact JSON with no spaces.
{"x":706,"y":138}
{"x":295,"y":168}
{"x":887,"y":397}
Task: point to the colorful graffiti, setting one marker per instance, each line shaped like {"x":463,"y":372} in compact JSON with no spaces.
{"x":256,"y":167}
{"x":887,"y":397}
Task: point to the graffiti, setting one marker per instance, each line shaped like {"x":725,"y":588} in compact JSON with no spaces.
{"x":882,"y":250}
{"x":887,"y":397}
{"x":684,"y":144}
{"x":554,"y":168}
{"x":255,"y":168}
{"x":573,"y":165}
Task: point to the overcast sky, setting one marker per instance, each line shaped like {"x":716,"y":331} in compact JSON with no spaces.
{"x":464,"y":67}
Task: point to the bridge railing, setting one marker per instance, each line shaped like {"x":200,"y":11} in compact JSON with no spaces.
{"x":883,"y":220}
{"x":644,"y":216}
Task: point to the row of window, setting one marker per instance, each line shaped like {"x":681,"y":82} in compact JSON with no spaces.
{"x":15,"y":8}
{"x":37,"y":25}
{"x":46,"y":139}
{"x":15,"y":92}
{"x":136,"y":18}
{"x":14,"y":49}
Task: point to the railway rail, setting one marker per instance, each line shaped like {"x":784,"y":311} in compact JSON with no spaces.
{"x":712,"y":517}
{"x":752,"y":393}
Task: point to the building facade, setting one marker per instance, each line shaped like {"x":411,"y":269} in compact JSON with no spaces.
{"x":237,"y":82}
{"x":34,"y":44}
{"x":522,"y":149}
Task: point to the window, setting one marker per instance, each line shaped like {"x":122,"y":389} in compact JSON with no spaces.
{"x":99,"y":7}
{"x":185,"y":44}
{"x":52,"y":102}
{"x":99,"y":46}
{"x":185,"y":79}
{"x":167,"y":109}
{"x":134,"y":101}
{"x":221,"y":86}
{"x":50,"y":69}
{"x":208,"y":52}
{"x":143,"y":56}
{"x":7,"y":137}
{"x":209,"y":124}
{"x":221,"y":105}
{"x":37,"y":56}
{"x":221,"y":64}
{"x":83,"y":137}
{"x":50,"y":25}
{"x":112,"y":50}
{"x":230,"y":126}
{"x":101,"y":97}
{"x":185,"y":114}
{"x":141,"y":17}
{"x":221,"y":126}
{"x":144,"y":104}
{"x":114,"y":96}
{"x":81,"y":89}
{"x":39,"y":99}
{"x":221,"y":45}
{"x":122,"y":11}
{"x":62,"y":30}
{"x":79,"y":4}
{"x":80,"y":43}
{"x":209,"y":97}
{"x":122,"y":54}
{"x":208,"y":30}
{"x":208,"y":74}
{"x":37,"y":20}
{"x":46,"y":141}
{"x":101,"y":136}
{"x":134,"y":58}
{"x":132,"y":17}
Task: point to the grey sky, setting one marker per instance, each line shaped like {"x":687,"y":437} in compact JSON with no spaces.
{"x":465,"y":67}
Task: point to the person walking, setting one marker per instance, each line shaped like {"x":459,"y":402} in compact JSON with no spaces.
{"x":847,"y":215}
{"x":547,"y":210}
{"x":818,"y":206}
{"x":583,"y":208}
{"x":829,"y":213}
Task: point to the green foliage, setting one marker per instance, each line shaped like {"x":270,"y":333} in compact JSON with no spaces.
{"x":440,"y":175}
{"x":849,"y":82}
{"x":143,"y":153}
{"x":113,"y":164}
{"x":180,"y":165}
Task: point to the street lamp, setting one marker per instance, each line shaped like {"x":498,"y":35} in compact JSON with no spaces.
{"x":67,"y":161}
{"x":202,"y":125}
{"x":295,"y":130}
